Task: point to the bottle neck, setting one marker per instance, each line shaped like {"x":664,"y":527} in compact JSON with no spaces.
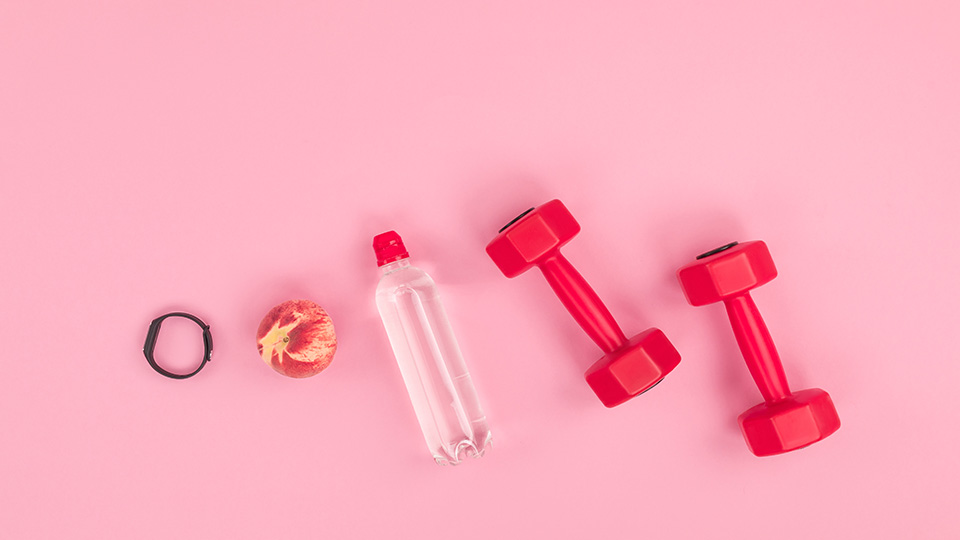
{"x":395,"y":265}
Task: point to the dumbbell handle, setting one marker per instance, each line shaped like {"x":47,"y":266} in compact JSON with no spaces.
{"x":582,"y":303}
{"x":757,"y":347}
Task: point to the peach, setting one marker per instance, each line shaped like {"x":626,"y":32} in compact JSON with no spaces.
{"x":297,"y":339}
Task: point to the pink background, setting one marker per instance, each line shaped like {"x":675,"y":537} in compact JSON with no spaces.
{"x":221,"y":157}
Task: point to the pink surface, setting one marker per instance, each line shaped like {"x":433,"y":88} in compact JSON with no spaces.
{"x":221,"y":157}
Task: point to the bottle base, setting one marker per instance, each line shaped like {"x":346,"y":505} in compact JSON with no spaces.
{"x":463,"y":450}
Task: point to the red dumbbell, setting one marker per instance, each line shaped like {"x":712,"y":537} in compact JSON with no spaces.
{"x":785,"y":421}
{"x":630,"y":366}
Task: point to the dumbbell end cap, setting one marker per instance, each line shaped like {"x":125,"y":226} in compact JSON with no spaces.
{"x":531,"y":237}
{"x":633,"y":369}
{"x":725,"y":272}
{"x":804,"y":418}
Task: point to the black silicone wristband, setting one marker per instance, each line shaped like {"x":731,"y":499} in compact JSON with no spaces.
{"x":151,"y":343}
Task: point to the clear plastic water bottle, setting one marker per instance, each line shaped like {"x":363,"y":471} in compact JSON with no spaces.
{"x":433,"y":369}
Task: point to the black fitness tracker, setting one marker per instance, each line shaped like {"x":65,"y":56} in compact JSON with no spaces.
{"x":151,"y":343}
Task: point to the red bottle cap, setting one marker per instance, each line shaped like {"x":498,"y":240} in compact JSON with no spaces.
{"x":389,"y":248}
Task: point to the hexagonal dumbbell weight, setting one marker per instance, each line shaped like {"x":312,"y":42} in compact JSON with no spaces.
{"x":630,"y":366}
{"x":786,"y":420}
